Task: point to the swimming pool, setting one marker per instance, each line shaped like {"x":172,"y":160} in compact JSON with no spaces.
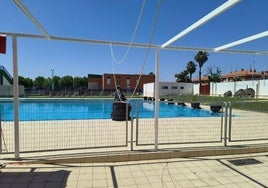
{"x":75,"y":109}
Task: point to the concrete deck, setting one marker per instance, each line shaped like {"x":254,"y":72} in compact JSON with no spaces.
{"x":213,"y":171}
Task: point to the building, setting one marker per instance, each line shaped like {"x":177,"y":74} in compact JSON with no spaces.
{"x":168,"y":88}
{"x":241,"y":75}
{"x":94,"y":81}
{"x":127,"y":82}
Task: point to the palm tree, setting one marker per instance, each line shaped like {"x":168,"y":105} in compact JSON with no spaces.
{"x":201,"y":57}
{"x":182,"y":76}
{"x":191,"y":68}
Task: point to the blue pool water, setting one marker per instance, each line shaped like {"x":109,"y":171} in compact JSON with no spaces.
{"x":74,"y":109}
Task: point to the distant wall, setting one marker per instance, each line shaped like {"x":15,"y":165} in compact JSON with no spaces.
{"x":260,"y":87}
{"x":7,"y":90}
{"x":5,"y":81}
{"x":196,"y":89}
{"x":148,"y":90}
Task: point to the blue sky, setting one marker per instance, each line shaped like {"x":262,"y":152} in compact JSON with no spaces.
{"x":115,"y":20}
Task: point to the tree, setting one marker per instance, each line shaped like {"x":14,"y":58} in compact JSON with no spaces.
{"x":56,"y":80}
{"x":77,"y":81}
{"x":38,"y":82}
{"x":214,"y":76}
{"x":182,"y":76}
{"x":237,"y":78}
{"x":26,"y":82}
{"x":84,"y":83}
{"x":66,"y":82}
{"x":201,"y":57}
{"x":47,"y":83}
{"x":191,"y":68}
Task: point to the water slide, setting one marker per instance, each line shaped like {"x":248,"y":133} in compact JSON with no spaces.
{"x":5,"y":77}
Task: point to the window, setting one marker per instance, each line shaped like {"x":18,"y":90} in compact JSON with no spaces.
{"x":174,"y":87}
{"x":164,"y":87}
{"x":118,"y":80}
{"x":108,"y":80}
{"x":182,"y":87}
{"x":128,"y":81}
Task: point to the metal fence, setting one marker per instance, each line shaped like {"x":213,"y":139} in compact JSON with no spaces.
{"x":61,"y":126}
{"x":69,"y":125}
{"x":249,"y":121}
{"x":185,"y":127}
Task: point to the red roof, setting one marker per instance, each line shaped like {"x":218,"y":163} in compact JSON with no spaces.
{"x":241,"y":74}
{"x":203,"y":79}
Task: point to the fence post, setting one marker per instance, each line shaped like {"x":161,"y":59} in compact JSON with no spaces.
{"x":156,"y":89}
{"x":16,"y":97}
{"x":222,"y":122}
{"x":225,"y":124}
{"x":0,"y":130}
{"x":137,"y":123}
{"x":230,"y":121}
{"x":126,"y":123}
{"x":131,"y":134}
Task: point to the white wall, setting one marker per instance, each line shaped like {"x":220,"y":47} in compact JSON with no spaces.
{"x":263,"y":87}
{"x":168,"y":88}
{"x":7,"y":91}
{"x":196,"y":89}
{"x":148,"y":90}
{"x":260,"y":87}
{"x":5,"y":81}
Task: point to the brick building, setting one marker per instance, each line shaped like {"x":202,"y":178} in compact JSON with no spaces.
{"x":94,"y":81}
{"x":127,"y":82}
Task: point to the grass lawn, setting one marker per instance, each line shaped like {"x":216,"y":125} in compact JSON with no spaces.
{"x":251,"y":104}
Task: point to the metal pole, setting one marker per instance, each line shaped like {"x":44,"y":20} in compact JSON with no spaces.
{"x":230,"y":121}
{"x":225,"y":124}
{"x":131,"y":134}
{"x":221,"y":135}
{"x":16,"y":96}
{"x":126,"y":123}
{"x":257,"y":90}
{"x":137,"y":123}
{"x":0,"y":131}
{"x":156,"y":93}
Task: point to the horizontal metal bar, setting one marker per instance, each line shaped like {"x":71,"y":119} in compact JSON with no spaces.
{"x":134,"y":45}
{"x":212,"y":51}
{"x":80,"y":40}
{"x":245,"y":140}
{"x":67,"y":149}
{"x":174,"y":143}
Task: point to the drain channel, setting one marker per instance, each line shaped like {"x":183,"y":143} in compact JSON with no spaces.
{"x":243,"y":162}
